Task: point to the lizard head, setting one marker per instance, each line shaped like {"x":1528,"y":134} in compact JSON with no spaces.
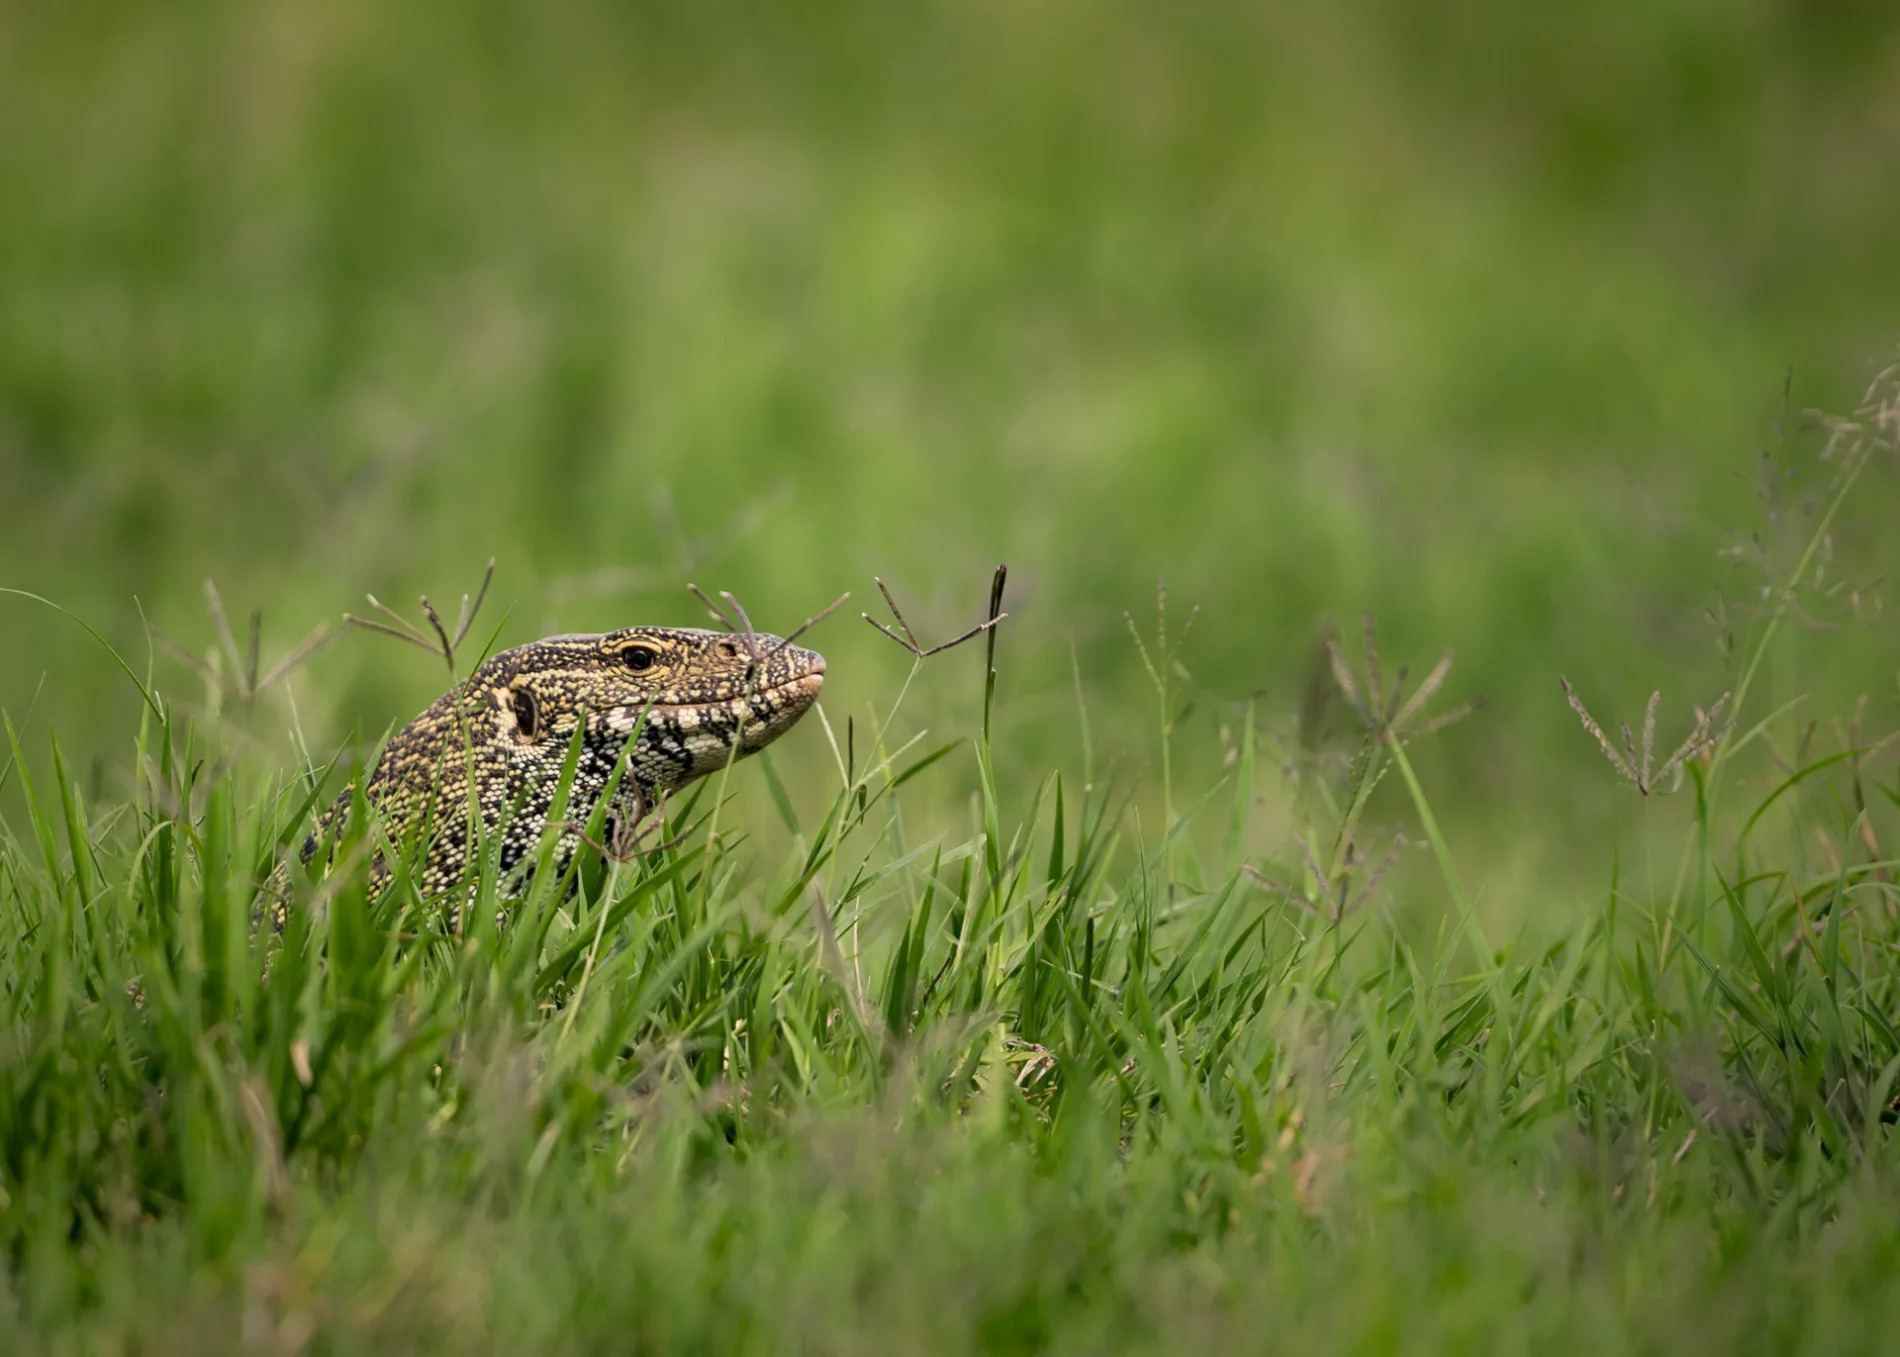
{"x":697,"y":698}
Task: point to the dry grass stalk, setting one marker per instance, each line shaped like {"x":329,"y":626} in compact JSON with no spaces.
{"x":1638,"y":768}
{"x":244,"y":681}
{"x":1382,"y":712}
{"x":404,"y":630}
{"x":1341,"y":902}
{"x":909,"y":640}
{"x":740,"y":624}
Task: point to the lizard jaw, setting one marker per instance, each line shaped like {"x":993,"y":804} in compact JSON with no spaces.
{"x":690,"y":740}
{"x":775,"y":711}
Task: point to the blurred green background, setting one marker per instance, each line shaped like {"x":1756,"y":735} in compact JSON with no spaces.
{"x":1476,"y":314}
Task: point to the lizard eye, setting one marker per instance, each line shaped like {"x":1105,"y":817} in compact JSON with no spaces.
{"x":727,"y":650}
{"x":527,"y":715}
{"x":639,"y":658}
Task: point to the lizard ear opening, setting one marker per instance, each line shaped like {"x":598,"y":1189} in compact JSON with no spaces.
{"x":527,"y":716}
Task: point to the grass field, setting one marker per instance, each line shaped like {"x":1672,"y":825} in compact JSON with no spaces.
{"x":1187,"y":990}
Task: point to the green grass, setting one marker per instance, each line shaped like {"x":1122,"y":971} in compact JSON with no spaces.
{"x":1074,"y":1079}
{"x":1462,"y":314}
{"x":1471,"y":315}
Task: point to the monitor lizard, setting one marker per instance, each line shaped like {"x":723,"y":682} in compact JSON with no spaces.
{"x":691,"y":701}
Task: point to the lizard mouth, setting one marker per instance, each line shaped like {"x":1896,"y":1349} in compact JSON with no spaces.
{"x":752,"y":719}
{"x":769,"y":712}
{"x":800,"y":690}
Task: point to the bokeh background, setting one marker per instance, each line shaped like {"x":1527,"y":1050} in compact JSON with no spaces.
{"x":1496,"y":319}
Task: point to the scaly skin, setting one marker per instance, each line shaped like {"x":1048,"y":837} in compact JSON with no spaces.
{"x":508,"y":726}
